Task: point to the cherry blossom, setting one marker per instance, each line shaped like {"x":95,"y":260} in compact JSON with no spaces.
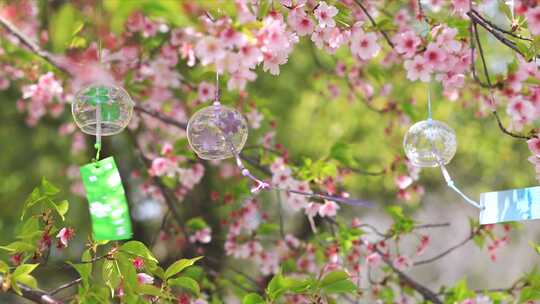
{"x":533,"y":20}
{"x":64,"y":236}
{"x":325,"y":14}
{"x":206,"y":91}
{"x":138,"y":263}
{"x":364,"y":45}
{"x":534,"y":146}
{"x":417,"y":68}
{"x":209,"y":50}
{"x":329,"y":208}
{"x":143,"y":278}
{"x":407,"y":43}
{"x":434,"y":56}
{"x":300,"y":22}
{"x":203,"y":236}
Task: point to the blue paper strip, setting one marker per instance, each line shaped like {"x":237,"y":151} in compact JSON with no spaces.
{"x":510,"y":205}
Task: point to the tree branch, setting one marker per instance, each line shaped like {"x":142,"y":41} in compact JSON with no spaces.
{"x":64,"y":286}
{"x":490,"y":86}
{"x":385,"y":35}
{"x":446,"y":252}
{"x":421,"y":289}
{"x":35,"y":295}
{"x":31,"y":45}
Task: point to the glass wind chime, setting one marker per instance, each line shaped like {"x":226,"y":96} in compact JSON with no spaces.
{"x":103,"y":110}
{"x":218,"y":132}
{"x":431,"y":143}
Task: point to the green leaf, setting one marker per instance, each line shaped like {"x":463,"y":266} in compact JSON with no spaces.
{"x":535,"y":247}
{"x":18,"y":246}
{"x":61,"y":208}
{"x":253,"y":298}
{"x":529,"y":294}
{"x":47,"y":188}
{"x":147,"y":289}
{"x":337,"y":282}
{"x":62,"y":26}
{"x":27,"y":279}
{"x":186,"y":283}
{"x":196,"y":223}
{"x":3,"y":267}
{"x":34,"y":198}
{"x":343,"y":153}
{"x":275,"y":288}
{"x":24,"y":269}
{"x":180,"y":265}
{"x":137,"y":248}
{"x":84,"y":269}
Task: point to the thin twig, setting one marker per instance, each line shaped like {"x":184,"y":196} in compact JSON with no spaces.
{"x":385,"y":35}
{"x":446,"y":252}
{"x":421,"y":289}
{"x":495,"y":27}
{"x":34,"y":48}
{"x":35,"y":295}
{"x":64,"y":286}
{"x":490,"y":86}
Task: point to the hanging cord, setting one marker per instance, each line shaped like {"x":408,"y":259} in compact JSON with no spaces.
{"x":97,"y":145}
{"x":444,"y":171}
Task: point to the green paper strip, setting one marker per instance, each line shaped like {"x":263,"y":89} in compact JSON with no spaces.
{"x":107,"y":201}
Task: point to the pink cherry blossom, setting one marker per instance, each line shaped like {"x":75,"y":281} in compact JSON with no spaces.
{"x":239,"y":79}
{"x":329,"y":208}
{"x":138,"y":263}
{"x":406,"y":43}
{"x":325,"y":14}
{"x":373,"y":259}
{"x":402,"y":262}
{"x":250,"y":54}
{"x":417,"y":68}
{"x":64,"y":236}
{"x":460,"y":6}
{"x":364,"y":45}
{"x":403,"y":181}
{"x":300,"y":22}
{"x":162,"y":166}
{"x":434,"y":56}
{"x":143,"y":278}
{"x":203,"y":236}
{"x":534,"y":146}
{"x":206,"y":91}
{"x":209,"y":50}
{"x":533,"y":20}
{"x":446,"y":40}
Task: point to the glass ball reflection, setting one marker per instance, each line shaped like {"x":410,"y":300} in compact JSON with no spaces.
{"x":217,"y":132}
{"x":109,"y":104}
{"x":429,"y":141}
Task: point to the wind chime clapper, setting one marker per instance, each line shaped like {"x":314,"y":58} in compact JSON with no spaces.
{"x":103,"y":110}
{"x":219,"y":132}
{"x":431,"y":143}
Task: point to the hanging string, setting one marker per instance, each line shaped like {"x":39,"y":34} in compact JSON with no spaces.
{"x":449,"y":181}
{"x":216,"y":95}
{"x":97,"y":145}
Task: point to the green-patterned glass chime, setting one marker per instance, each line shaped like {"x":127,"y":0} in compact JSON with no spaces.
{"x":102,"y":110}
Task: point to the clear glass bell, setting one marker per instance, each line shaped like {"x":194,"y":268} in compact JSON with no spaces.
{"x":108,"y":104}
{"x":217,"y":132}
{"x":429,"y":142}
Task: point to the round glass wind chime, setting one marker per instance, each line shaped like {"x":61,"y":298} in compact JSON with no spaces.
{"x":219,"y":132}
{"x":431,"y":143}
{"x":102,"y":109}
